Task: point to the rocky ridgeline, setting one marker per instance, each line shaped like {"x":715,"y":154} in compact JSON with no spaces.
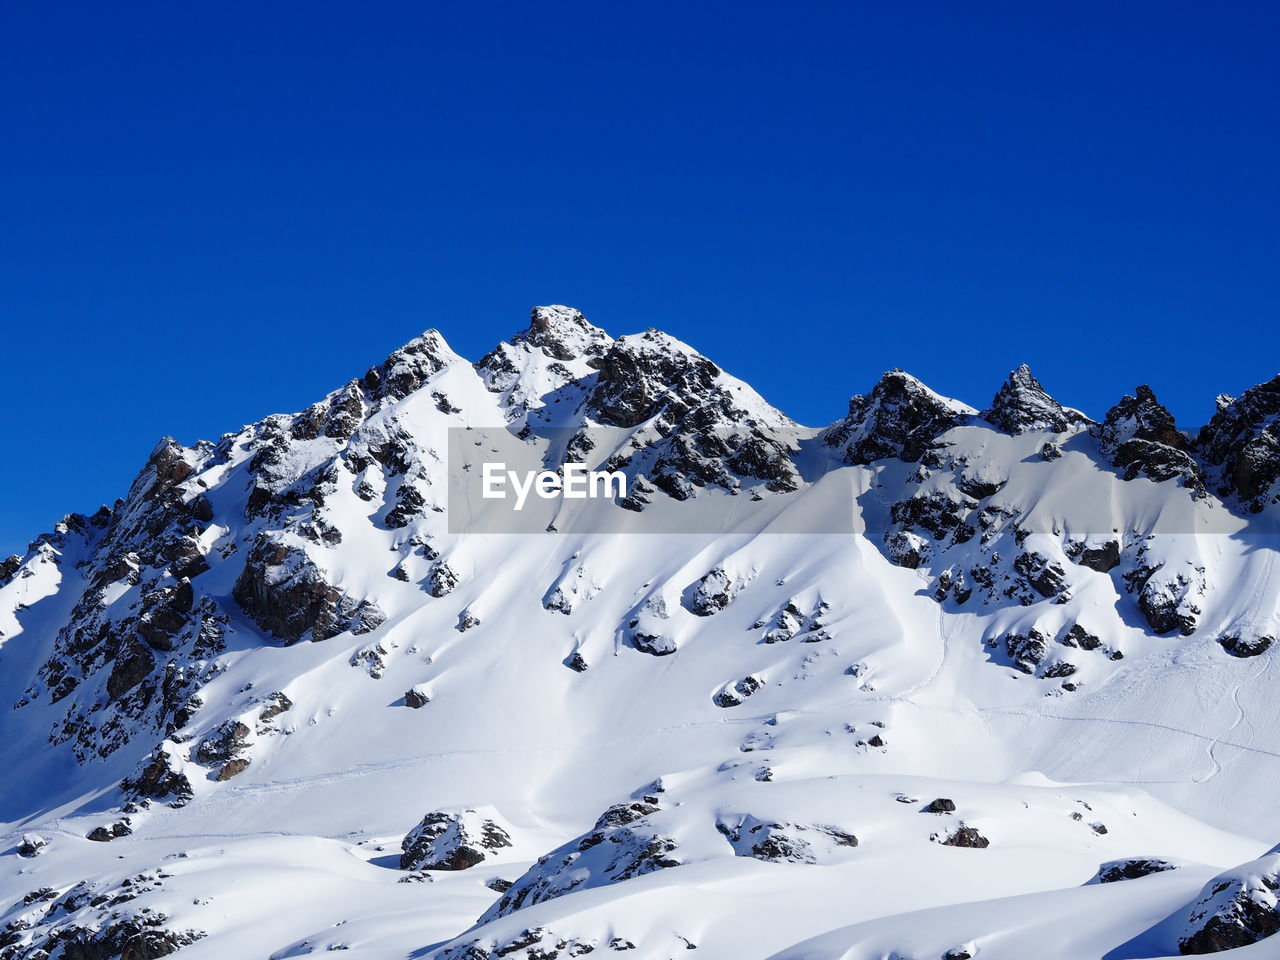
{"x":695,"y":426}
{"x":93,"y":920}
{"x":1241,"y":446}
{"x":143,"y":633}
{"x":1021,"y":405}
{"x":900,"y":418}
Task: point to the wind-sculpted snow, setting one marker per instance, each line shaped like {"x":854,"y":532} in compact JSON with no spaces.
{"x":303,"y":689}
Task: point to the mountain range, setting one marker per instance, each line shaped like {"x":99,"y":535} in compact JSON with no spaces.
{"x":930,"y":682}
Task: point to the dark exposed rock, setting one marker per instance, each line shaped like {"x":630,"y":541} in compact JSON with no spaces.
{"x":901,"y":417}
{"x":441,"y":580}
{"x":784,"y":842}
{"x":276,"y":704}
{"x":645,"y":375}
{"x":32,"y":845}
{"x":621,"y":814}
{"x":713,"y":593}
{"x":1102,"y":558}
{"x":1021,"y":405}
{"x":8,"y":567}
{"x":1046,"y":576}
{"x":132,"y":667}
{"x":1131,"y":869}
{"x":233,"y":767}
{"x":1078,"y":636}
{"x":121,"y":938}
{"x":1161,"y":603}
{"x":563,"y":333}
{"x":1027,"y":650}
{"x":653,"y":643}
{"x":451,"y":841}
{"x":164,"y":614}
{"x":1239,"y":646}
{"x":940,"y":805}
{"x":224,"y":745}
{"x":964,"y":836}
{"x":283,"y":591}
{"x":939,"y":515}
{"x":1140,"y":417}
{"x":415,"y":698}
{"x":160,"y":779}
{"x":409,"y":367}
{"x":1235,"y":909}
{"x":1242,"y":442}
{"x":576,"y":662}
{"x":106,"y":834}
{"x":703,"y":433}
{"x":739,"y":692}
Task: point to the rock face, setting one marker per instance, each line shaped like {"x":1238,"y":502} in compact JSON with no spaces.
{"x":701,"y":426}
{"x":1141,"y":438}
{"x":1132,"y":869}
{"x":1241,"y":443}
{"x":161,"y":778}
{"x":901,"y":417}
{"x":558,"y":345}
{"x":785,"y":842}
{"x":452,"y":841}
{"x":623,"y":844}
{"x":1243,"y":646}
{"x":286,"y":593}
{"x":1234,"y":909}
{"x":965,"y":836}
{"x":1022,"y":405}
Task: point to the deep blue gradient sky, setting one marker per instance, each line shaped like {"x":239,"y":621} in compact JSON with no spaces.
{"x":212,"y":212}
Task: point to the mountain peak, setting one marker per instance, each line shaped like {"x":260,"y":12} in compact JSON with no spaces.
{"x":1242,"y":440}
{"x":405,"y":370}
{"x":1022,"y":405}
{"x":901,"y":417}
{"x":563,"y":333}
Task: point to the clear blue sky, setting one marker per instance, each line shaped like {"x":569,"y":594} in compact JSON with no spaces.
{"x":212,"y":212}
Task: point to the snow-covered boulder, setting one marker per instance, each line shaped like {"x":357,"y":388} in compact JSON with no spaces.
{"x":452,"y":840}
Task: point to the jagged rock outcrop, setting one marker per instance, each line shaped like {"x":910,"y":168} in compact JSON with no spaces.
{"x":225,"y":748}
{"x":702,"y":427}
{"x":1132,"y":868}
{"x":160,"y":778}
{"x":409,"y":368}
{"x":964,"y":836}
{"x":623,"y":844}
{"x":1238,"y":907}
{"x":735,"y":693}
{"x":286,"y":593}
{"x":1141,"y":438}
{"x":785,"y":842}
{"x":901,"y":417}
{"x":1239,"y":645}
{"x":452,"y":841}
{"x":558,"y":344}
{"x":715,"y":591}
{"x":1241,"y":443}
{"x":1022,"y":405}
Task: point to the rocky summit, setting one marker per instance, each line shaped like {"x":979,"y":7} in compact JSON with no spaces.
{"x":930,"y":680}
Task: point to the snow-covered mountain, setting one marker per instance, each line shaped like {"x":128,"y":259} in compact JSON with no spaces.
{"x":932,"y":681}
